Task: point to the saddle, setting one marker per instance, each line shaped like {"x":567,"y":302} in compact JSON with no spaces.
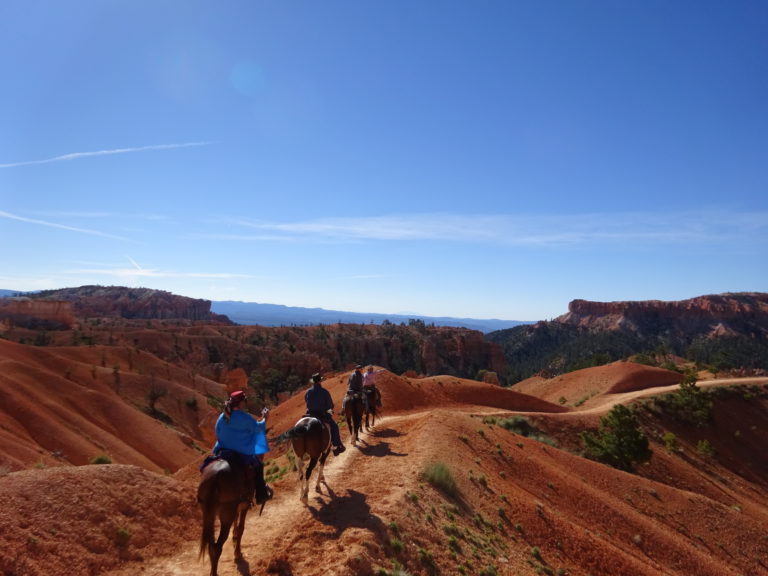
{"x":373,"y":394}
{"x":229,"y":456}
{"x":241,"y":469}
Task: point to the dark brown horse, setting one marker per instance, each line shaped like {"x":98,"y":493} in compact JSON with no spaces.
{"x":311,"y":438}
{"x":353,"y":411}
{"x":220,"y":494}
{"x":373,"y":398}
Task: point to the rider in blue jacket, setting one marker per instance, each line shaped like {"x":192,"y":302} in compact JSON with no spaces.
{"x":239,"y":432}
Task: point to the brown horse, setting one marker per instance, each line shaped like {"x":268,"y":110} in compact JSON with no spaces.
{"x":310,"y":437}
{"x":372,"y":406}
{"x":220,"y":494}
{"x":353,"y":411}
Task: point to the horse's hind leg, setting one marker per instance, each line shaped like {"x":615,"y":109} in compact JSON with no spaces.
{"x":226,"y":517}
{"x":310,"y":467}
{"x":352,"y":429}
{"x":239,"y":527}
{"x":320,"y":475}
{"x":303,"y":482}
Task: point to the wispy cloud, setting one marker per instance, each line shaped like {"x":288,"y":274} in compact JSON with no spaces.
{"x":133,"y":273}
{"x":521,"y":230}
{"x":92,"y":215}
{"x":80,"y":155}
{"x":37,"y":222}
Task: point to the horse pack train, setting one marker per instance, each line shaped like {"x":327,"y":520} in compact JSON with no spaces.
{"x":223,"y":482}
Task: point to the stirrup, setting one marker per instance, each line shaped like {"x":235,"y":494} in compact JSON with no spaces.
{"x":267,"y":495}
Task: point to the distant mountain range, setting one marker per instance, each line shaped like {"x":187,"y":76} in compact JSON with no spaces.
{"x":246,"y":313}
{"x":277,"y":315}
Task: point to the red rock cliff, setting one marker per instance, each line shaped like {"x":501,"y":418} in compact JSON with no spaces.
{"x":37,"y":313}
{"x":133,"y":303}
{"x":731,"y":312}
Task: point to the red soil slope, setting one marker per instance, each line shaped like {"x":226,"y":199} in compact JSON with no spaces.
{"x":70,"y":405}
{"x":521,"y":505}
{"x":578,"y":387}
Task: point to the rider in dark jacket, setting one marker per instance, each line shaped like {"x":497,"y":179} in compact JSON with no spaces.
{"x":355,"y":386}
{"x":320,"y":405}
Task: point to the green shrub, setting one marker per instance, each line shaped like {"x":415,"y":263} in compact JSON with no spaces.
{"x":704,"y":448}
{"x":689,"y":403}
{"x":453,"y":544}
{"x":619,"y":442}
{"x":518,"y":425}
{"x":123,"y":536}
{"x":441,"y":477}
{"x":426,"y":558}
{"x":101,"y":459}
{"x":670,"y":442}
{"x":521,"y":426}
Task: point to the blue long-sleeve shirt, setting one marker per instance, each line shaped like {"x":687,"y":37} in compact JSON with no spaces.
{"x":242,"y":433}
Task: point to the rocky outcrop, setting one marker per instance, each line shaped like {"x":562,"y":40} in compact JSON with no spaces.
{"x":717,"y":315}
{"x":36,"y":314}
{"x":132,"y":303}
{"x":722,"y":331}
{"x":459,"y":351}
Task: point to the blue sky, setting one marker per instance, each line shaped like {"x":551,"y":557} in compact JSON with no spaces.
{"x":485,"y":159}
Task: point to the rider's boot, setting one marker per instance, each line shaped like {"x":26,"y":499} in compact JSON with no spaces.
{"x":338,"y":447}
{"x":263,"y":492}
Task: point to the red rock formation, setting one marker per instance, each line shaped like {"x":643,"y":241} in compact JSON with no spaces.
{"x":133,"y":303}
{"x":45,"y":314}
{"x":717,"y":314}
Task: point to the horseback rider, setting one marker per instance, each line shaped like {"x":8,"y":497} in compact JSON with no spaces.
{"x":355,"y":386}
{"x":240,"y":433}
{"x":369,"y":386}
{"x":320,"y":406}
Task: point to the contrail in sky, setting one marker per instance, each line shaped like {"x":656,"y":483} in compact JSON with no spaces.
{"x":78,"y":155}
{"x":135,"y":263}
{"x":10,"y":216}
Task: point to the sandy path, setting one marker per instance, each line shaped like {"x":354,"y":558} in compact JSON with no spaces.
{"x":264,"y":535}
{"x":607,"y":401}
